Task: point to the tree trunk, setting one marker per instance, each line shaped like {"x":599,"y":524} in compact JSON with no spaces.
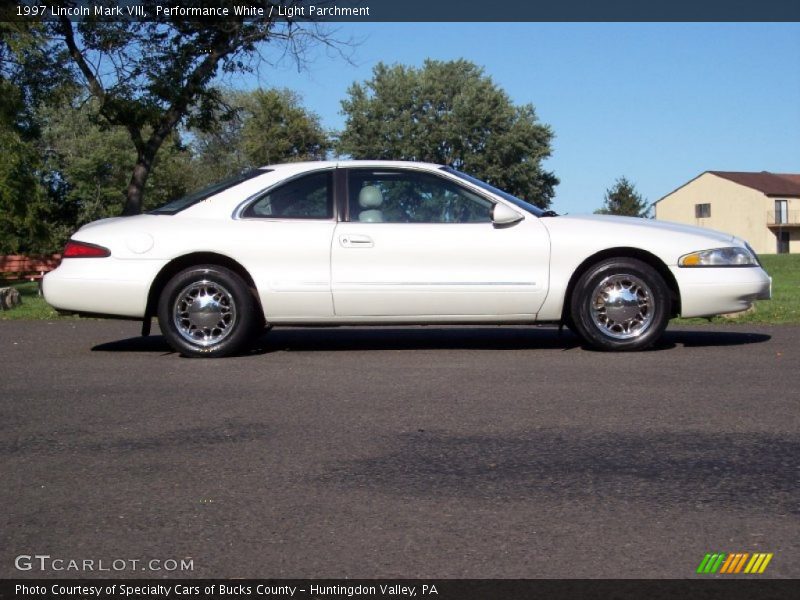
{"x":135,"y":194}
{"x":134,"y":197}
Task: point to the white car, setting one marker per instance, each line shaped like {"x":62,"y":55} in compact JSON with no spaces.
{"x":380,"y":242}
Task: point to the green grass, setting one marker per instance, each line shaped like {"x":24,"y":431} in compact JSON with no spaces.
{"x":783,"y":308}
{"x":33,"y":306}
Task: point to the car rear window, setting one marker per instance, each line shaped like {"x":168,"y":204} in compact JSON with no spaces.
{"x":176,"y":206}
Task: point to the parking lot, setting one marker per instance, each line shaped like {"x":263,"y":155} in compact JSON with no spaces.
{"x":400,"y":452}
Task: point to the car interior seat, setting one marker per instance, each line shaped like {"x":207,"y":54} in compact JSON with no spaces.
{"x":370,"y":199}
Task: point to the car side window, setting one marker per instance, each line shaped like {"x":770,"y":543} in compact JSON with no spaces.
{"x":308,"y":197}
{"x":389,"y":196}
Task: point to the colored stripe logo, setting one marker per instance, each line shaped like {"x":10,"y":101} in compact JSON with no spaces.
{"x":733,"y":563}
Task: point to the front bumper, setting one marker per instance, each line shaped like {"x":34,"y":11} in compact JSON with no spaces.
{"x":714,"y":291}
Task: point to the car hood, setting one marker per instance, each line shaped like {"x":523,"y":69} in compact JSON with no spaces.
{"x":584,"y":235}
{"x":650,"y":225}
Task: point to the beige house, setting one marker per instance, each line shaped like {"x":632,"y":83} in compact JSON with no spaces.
{"x":762,"y":208}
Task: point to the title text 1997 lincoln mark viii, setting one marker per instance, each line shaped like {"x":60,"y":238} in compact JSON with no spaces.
{"x":377,"y":242}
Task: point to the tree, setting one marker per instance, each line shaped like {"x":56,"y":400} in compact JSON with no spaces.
{"x":449,"y":113}
{"x":89,"y":162}
{"x":26,"y":213}
{"x":265,"y":127}
{"x":623,"y":199}
{"x":22,"y":195}
{"x":150,"y":76}
{"x":277,"y":128}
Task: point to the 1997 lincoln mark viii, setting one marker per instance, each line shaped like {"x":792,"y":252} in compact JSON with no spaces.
{"x":378,"y":242}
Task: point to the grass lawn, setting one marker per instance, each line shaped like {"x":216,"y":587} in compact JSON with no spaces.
{"x":783,"y":308}
{"x":33,"y":306}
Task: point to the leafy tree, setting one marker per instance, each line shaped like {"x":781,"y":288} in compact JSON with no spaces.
{"x":22,"y":195}
{"x":264,"y":127}
{"x":277,"y":128}
{"x":149,"y":77}
{"x":623,"y":199}
{"x":89,"y":163}
{"x":449,"y":113}
{"x":26,"y":211}
{"x":217,"y":151}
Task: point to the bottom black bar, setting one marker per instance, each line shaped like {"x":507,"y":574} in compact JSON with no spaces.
{"x":390,"y":589}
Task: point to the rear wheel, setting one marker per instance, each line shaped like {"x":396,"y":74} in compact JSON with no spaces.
{"x":620,"y":304}
{"x":207,"y":311}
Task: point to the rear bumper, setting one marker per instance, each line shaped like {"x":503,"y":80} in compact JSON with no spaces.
{"x":107,"y":286}
{"x":713,"y":291}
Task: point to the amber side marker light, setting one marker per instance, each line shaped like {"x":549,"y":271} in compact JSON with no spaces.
{"x":75,"y":249}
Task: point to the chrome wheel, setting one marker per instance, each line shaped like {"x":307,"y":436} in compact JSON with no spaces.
{"x":204,"y":313}
{"x":622,"y":306}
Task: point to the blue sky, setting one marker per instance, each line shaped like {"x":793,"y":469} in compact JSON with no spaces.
{"x":658,"y":103}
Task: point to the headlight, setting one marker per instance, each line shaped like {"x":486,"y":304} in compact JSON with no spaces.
{"x":720,"y":257}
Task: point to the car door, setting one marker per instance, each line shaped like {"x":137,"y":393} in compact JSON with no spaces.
{"x":415,"y":243}
{"x":283,"y":236}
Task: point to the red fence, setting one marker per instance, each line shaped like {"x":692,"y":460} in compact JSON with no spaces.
{"x":17,"y":266}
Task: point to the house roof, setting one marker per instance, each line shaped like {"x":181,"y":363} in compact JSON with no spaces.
{"x":770,"y":184}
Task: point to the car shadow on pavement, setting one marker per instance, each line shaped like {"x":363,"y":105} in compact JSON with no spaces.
{"x":700,"y":337}
{"x":435,"y":338}
{"x":147,"y":343}
{"x":752,"y":471}
{"x":416,"y":338}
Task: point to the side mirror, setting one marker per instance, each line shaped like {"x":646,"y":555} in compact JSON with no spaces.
{"x":503,"y":215}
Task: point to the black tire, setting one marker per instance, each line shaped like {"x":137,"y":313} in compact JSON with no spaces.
{"x":620,"y":304}
{"x":224,"y":324}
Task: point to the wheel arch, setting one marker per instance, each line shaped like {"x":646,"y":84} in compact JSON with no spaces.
{"x":178,"y":264}
{"x":624,"y":252}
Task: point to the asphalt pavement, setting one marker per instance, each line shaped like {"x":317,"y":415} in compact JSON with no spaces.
{"x":431,"y":452}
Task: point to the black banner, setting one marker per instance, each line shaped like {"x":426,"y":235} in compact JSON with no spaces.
{"x":733,"y":588}
{"x":408,"y":10}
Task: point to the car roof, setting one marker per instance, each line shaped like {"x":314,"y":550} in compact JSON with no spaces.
{"x":321,"y":164}
{"x":225,"y":201}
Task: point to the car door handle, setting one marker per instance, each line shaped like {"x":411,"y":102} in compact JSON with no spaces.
{"x":356,"y":241}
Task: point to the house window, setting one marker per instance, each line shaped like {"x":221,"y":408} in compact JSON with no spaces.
{"x":702,"y":211}
{"x":781,"y":212}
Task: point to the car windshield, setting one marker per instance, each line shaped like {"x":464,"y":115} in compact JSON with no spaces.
{"x":527,"y":206}
{"x":176,"y":206}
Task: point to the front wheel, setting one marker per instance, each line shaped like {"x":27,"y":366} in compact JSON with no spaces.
{"x":207,"y":311}
{"x":620,"y":304}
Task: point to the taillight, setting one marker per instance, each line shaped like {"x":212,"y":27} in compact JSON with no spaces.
{"x":76,"y":249}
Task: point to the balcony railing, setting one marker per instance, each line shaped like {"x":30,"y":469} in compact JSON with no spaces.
{"x":789,"y":218}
